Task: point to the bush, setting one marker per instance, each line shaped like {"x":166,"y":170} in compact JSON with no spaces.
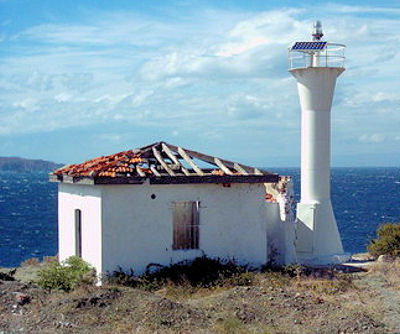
{"x":388,"y":241}
{"x":66,"y":276}
{"x":7,"y":276}
{"x":202,"y":272}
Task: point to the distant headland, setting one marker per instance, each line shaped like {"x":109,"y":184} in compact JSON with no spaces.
{"x":16,"y":164}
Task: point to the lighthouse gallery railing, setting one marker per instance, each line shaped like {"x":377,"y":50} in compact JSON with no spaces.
{"x":331,"y":56}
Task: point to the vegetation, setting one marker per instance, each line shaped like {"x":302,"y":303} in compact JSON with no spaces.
{"x":202,"y":296}
{"x":33,"y":261}
{"x":389,"y":272}
{"x":7,"y":276}
{"x":387,"y":242}
{"x":66,"y":275}
{"x":202,"y":272}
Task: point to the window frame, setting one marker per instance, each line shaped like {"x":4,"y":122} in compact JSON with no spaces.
{"x":78,"y":232}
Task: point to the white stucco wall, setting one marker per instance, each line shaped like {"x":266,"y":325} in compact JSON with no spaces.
{"x":123,"y":226}
{"x":88,"y":200}
{"x":138,"y":230}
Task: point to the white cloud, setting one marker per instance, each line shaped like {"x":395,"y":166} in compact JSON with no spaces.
{"x":115,"y":138}
{"x":175,"y":82}
{"x":233,"y":49}
{"x":347,"y":9}
{"x":110,"y":99}
{"x":272,"y":27}
{"x":248,"y":107}
{"x":221,"y":74}
{"x":370,"y":98}
{"x":250,"y":47}
{"x":30,"y":104}
{"x":140,"y":98}
{"x":62,"y":97}
{"x":383,"y":96}
{"x":106,"y":30}
{"x":373,"y":138}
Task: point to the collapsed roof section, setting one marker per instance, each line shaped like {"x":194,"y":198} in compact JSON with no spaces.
{"x":160,"y":163}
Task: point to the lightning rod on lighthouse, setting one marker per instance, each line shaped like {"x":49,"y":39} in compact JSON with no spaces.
{"x":316,"y":65}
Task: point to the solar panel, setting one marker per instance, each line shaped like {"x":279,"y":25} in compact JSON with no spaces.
{"x":308,"y":46}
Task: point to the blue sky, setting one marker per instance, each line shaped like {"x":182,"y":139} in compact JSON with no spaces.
{"x":79,"y":79}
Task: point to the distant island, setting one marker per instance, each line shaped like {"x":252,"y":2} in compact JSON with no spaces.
{"x":16,"y":164}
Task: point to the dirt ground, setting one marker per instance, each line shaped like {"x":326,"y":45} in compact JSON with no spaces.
{"x":324,"y":302}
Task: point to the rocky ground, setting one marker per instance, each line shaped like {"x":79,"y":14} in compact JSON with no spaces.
{"x":323,"y":301}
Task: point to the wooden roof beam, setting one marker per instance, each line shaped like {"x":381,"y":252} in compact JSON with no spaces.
{"x":155,"y":171}
{"x":174,"y":159}
{"x":225,"y":169}
{"x":183,"y":154}
{"x":140,"y":172}
{"x":162,"y":162}
{"x":258,"y":172}
{"x":211,"y":160}
{"x":169,"y":153}
{"x":239,"y":168}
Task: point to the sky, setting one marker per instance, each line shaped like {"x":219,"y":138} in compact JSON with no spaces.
{"x":80,"y":79}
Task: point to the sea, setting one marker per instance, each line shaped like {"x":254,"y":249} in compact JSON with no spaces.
{"x":362,"y":198}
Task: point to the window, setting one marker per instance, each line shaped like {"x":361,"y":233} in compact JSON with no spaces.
{"x":78,"y":233}
{"x":185,"y":224}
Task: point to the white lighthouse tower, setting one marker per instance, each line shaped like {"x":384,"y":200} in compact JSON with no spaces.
{"x":316,"y":65}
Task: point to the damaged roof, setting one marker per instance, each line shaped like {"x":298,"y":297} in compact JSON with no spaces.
{"x":160,"y":163}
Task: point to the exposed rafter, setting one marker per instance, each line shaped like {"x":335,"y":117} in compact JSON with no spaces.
{"x":174,"y":159}
{"x":140,"y":172}
{"x":184,"y":155}
{"x":161,"y":163}
{"x":225,"y":169}
{"x":239,"y":169}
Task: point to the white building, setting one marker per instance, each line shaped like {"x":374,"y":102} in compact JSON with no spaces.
{"x":161,"y":204}
{"x":158,"y":205}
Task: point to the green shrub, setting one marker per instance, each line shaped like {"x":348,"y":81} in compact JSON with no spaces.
{"x":66,"y":276}
{"x":387,"y":242}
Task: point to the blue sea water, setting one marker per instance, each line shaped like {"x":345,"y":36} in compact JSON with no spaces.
{"x":363,"y":198}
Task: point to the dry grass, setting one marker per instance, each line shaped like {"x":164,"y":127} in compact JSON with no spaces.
{"x":30,"y":262}
{"x":324,"y":286}
{"x":389,"y":271}
{"x":48,"y":259}
{"x":288,"y":300}
{"x":35,"y":261}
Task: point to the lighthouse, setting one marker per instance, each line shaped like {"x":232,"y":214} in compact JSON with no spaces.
{"x":316,"y":65}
